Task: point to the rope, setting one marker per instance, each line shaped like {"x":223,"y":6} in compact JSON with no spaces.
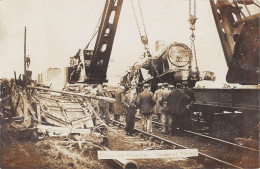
{"x":256,"y":4}
{"x":95,"y":32}
{"x":247,"y":8}
{"x":236,"y":4}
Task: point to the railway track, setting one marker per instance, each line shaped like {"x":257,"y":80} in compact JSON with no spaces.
{"x":224,"y":150}
{"x":160,"y":139}
{"x":213,"y":139}
{"x":204,"y":158}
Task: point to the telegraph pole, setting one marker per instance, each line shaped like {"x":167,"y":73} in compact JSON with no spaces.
{"x":24,"y":51}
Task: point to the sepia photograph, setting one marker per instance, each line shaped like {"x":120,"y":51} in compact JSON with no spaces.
{"x":131,"y":84}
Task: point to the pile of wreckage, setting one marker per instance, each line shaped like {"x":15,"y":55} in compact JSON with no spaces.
{"x":49,"y":112}
{"x":33,"y":113}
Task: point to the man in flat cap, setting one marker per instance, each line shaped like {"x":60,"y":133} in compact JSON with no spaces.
{"x":189,"y":105}
{"x":179,"y":101}
{"x":157,"y":96}
{"x":103,"y":104}
{"x":118,"y":108}
{"x":165,"y":108}
{"x":165,"y":85}
{"x":129,"y":102}
{"x":146,"y":102}
{"x":94,"y":102}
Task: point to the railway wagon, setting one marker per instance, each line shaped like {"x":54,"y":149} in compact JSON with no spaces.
{"x":229,"y":113}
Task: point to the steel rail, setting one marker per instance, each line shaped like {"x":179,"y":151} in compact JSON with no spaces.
{"x":222,"y":141}
{"x":165,"y":141}
{"x":210,"y":138}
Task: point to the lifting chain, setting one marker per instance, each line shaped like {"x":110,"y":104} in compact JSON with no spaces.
{"x":144,"y":38}
{"x":192,"y":21}
{"x":140,"y":8}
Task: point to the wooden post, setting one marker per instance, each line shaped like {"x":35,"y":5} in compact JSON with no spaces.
{"x":25,"y":106}
{"x":24,"y":51}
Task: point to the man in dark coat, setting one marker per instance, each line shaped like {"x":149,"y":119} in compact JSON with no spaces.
{"x":103,"y":104}
{"x":129,"y":102}
{"x":178,"y":106}
{"x":118,"y":108}
{"x":188,"y":113}
{"x":146,"y":102}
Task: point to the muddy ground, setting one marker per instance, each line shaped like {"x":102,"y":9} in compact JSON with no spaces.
{"x":118,"y":140}
{"x":46,"y":153}
{"x":59,"y":153}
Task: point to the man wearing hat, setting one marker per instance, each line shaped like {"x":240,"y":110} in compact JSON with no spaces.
{"x":165,"y":85}
{"x":190,"y":93}
{"x":179,"y":101}
{"x":129,"y":102}
{"x":103,"y":104}
{"x":146,"y":102}
{"x":94,"y":102}
{"x":157,"y":96}
{"x":165,"y":108}
{"x":118,"y":108}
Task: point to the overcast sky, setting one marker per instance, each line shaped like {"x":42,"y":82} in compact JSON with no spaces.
{"x":57,"y":29}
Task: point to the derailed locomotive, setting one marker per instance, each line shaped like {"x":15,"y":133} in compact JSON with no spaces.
{"x":172,"y":63}
{"x":227,"y":111}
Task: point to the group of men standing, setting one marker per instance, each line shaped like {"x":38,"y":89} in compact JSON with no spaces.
{"x":173,"y":106}
{"x":170,"y":103}
{"x":130,"y":102}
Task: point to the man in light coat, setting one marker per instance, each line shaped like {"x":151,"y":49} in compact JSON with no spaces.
{"x":103,"y":104}
{"x":118,"y":108}
{"x":129,"y":102}
{"x":157,"y":96}
{"x":165,"y":108}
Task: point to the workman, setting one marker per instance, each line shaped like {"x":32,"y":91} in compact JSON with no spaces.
{"x":94,"y":102}
{"x":27,"y":61}
{"x":157,"y":96}
{"x":165,"y":107}
{"x":118,"y":108}
{"x":103,"y":104}
{"x":129,"y":101}
{"x":165,"y":85}
{"x":178,"y":107}
{"x":146,"y":102}
{"x":189,"y":107}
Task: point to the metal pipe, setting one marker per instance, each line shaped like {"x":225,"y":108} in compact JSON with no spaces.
{"x":181,"y":146}
{"x":123,"y":163}
{"x":108,"y":99}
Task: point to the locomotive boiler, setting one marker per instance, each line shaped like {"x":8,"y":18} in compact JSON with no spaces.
{"x":172,"y":63}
